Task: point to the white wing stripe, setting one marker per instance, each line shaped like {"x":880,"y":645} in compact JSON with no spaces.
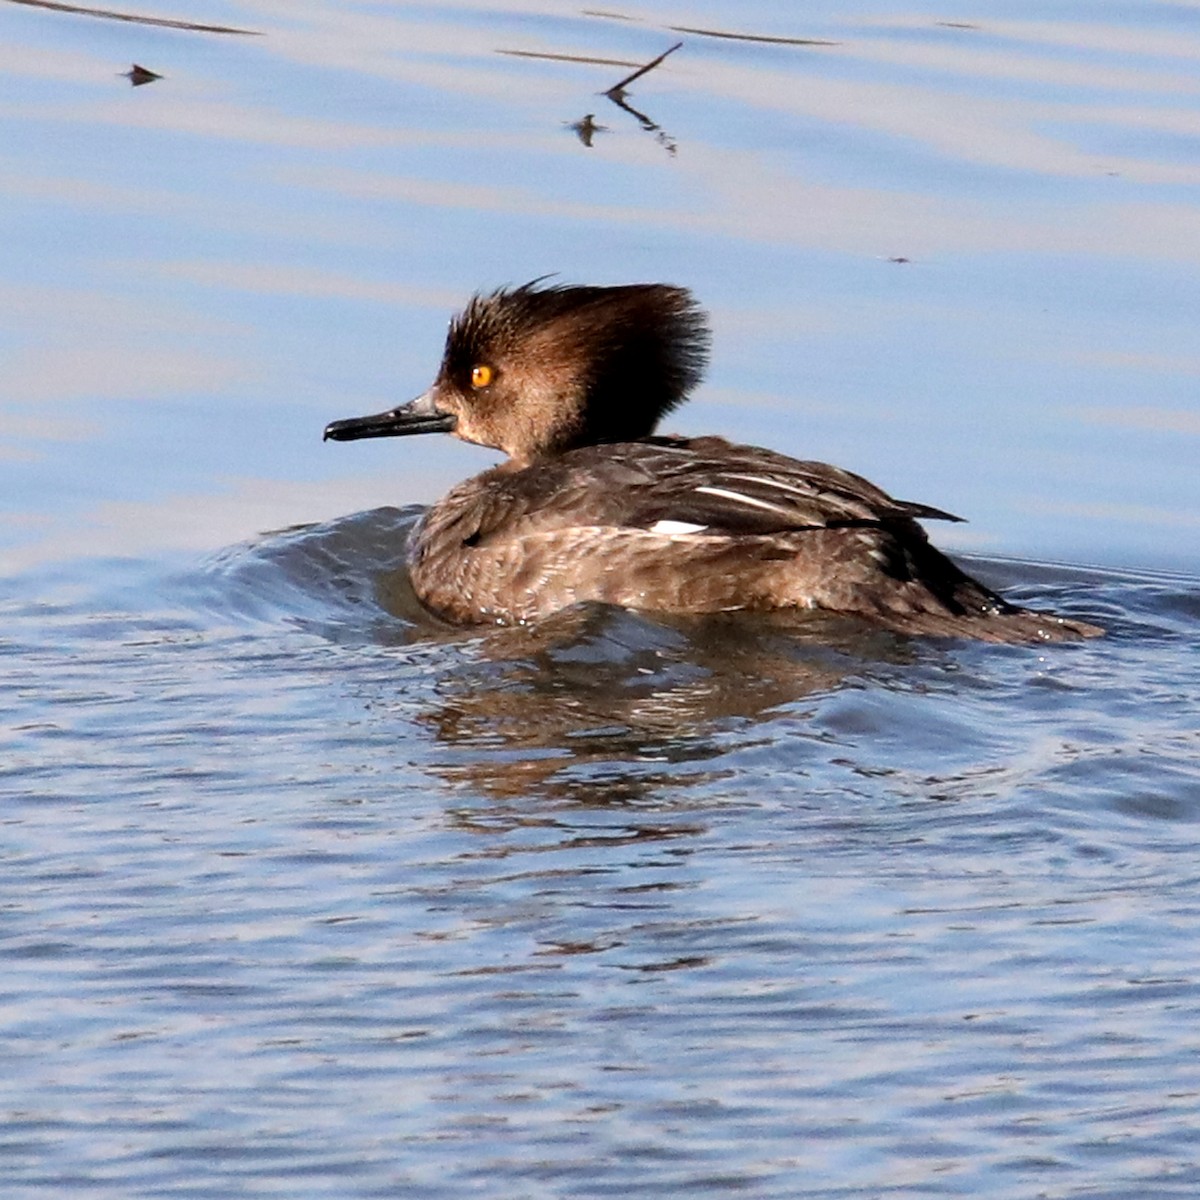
{"x":674,"y":527}
{"x":807,"y":492}
{"x":738,"y":498}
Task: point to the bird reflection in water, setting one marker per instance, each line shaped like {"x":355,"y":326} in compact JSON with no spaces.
{"x":602,"y":706}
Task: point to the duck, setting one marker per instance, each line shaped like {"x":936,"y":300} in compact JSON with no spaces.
{"x":592,"y":505}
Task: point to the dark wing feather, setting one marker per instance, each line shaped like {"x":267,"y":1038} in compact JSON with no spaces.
{"x":748,"y":490}
{"x":707,"y":482}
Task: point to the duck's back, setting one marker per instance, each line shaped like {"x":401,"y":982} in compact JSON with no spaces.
{"x":699,"y":525}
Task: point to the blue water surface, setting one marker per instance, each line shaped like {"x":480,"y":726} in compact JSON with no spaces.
{"x":303,"y":894}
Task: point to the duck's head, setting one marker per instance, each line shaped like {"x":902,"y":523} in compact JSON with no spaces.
{"x":536,"y":371}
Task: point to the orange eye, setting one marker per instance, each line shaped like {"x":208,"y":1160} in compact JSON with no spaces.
{"x":481,"y":375}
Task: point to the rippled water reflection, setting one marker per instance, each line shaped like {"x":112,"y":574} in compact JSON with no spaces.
{"x":303,"y":894}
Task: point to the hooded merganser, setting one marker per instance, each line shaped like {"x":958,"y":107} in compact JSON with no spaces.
{"x":571,"y":382}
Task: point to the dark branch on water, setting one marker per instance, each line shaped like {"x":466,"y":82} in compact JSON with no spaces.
{"x":110,"y":15}
{"x":139,"y":76}
{"x":618,"y":89}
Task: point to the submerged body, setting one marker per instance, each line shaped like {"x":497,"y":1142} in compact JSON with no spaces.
{"x":571,"y":383}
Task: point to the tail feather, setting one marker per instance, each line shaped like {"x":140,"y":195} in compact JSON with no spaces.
{"x":1014,"y":626}
{"x":936,"y":598}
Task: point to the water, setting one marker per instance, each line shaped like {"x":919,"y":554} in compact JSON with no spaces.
{"x":303,"y":894}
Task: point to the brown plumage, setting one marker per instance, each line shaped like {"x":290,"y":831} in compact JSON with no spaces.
{"x":571,"y":382}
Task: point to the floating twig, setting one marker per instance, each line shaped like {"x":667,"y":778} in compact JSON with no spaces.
{"x":763,"y":38}
{"x":110,"y":15}
{"x":546,"y":56}
{"x":586,"y":128}
{"x":618,"y":89}
{"x":140,"y":75}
